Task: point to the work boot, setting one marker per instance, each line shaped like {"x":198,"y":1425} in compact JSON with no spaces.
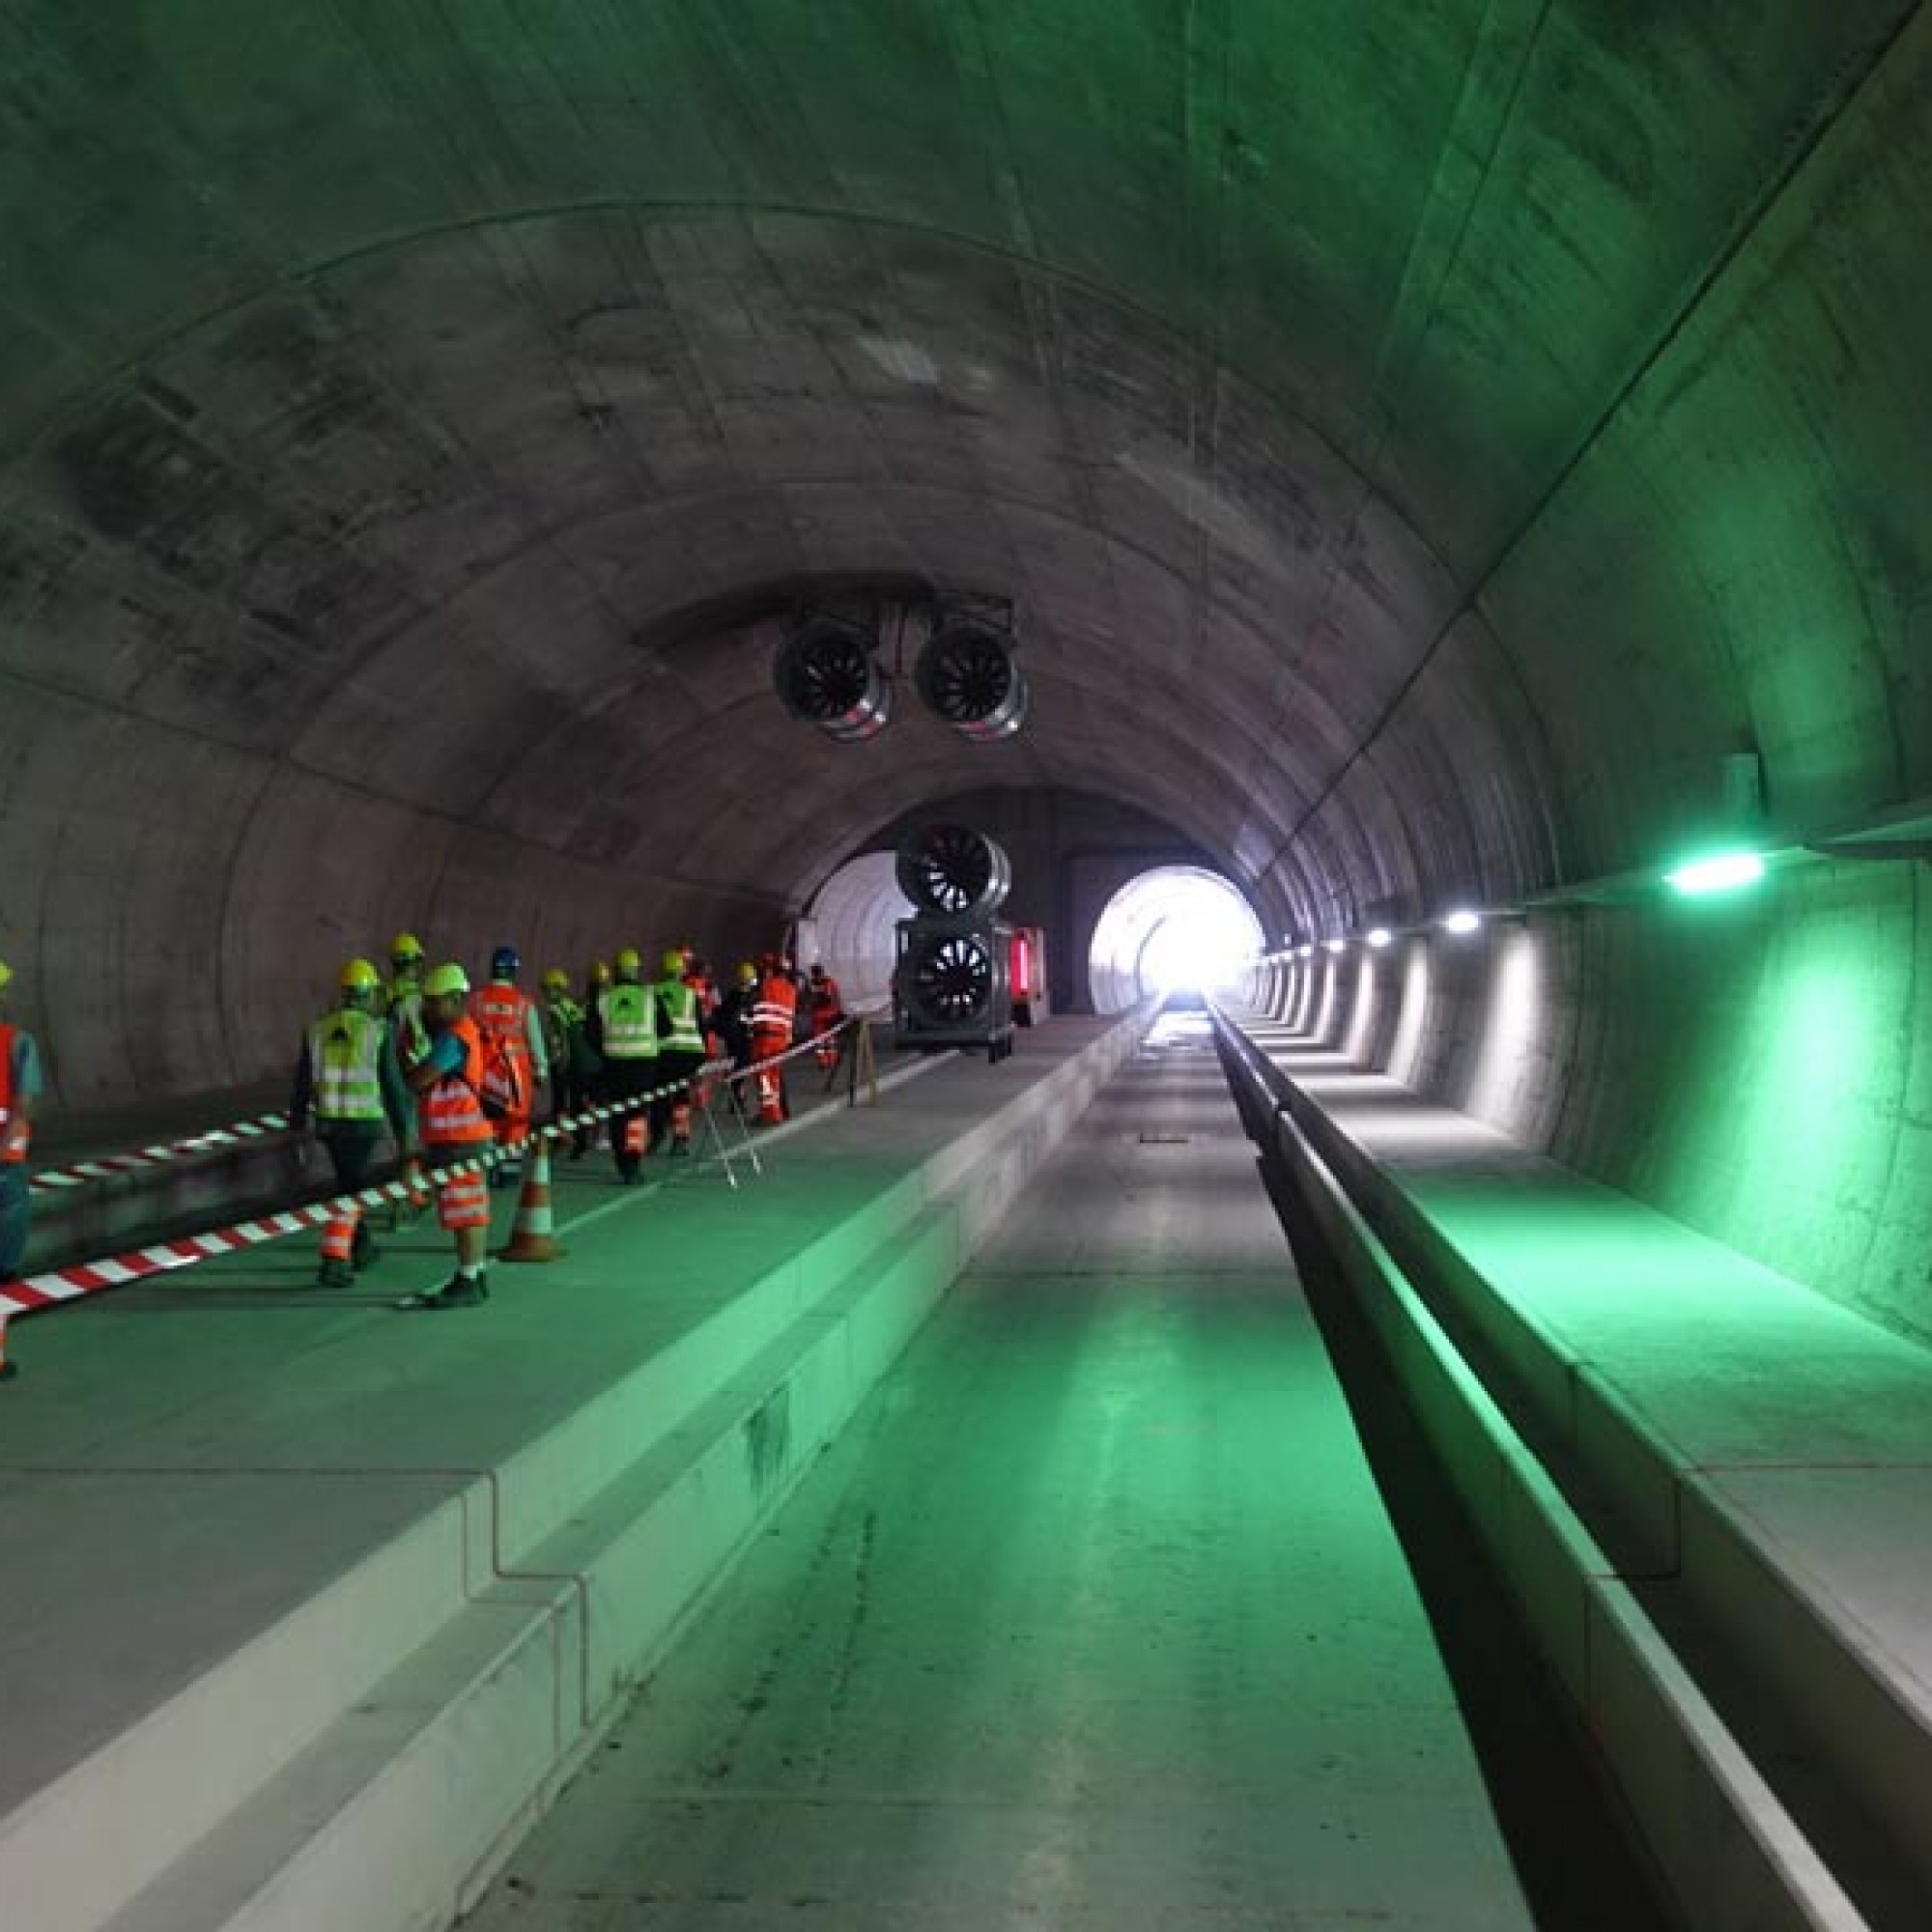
{"x":335,"y":1274}
{"x":460,"y":1292}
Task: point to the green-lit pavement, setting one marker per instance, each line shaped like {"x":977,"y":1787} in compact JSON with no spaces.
{"x":1092,"y":1619}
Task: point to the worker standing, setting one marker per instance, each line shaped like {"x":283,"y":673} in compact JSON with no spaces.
{"x":774,"y":1016}
{"x":447,"y":1081}
{"x":732,"y":1020}
{"x":402,"y":998}
{"x":826,"y":1010}
{"x":349,"y":1078}
{"x":680,"y":1052}
{"x":624,"y":1036}
{"x":21,"y":1085}
{"x":516,"y":1059}
{"x":573,"y":1066}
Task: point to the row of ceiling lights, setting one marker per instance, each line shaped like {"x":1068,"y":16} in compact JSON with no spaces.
{"x":1694,"y":878}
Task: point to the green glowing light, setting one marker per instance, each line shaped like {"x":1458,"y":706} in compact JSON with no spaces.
{"x":1721,"y":873}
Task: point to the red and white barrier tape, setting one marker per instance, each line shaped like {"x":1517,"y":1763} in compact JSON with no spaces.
{"x":73,"y":1283}
{"x":101,"y":1166}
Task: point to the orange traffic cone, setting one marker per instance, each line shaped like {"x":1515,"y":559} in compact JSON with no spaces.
{"x":534,"y":1237}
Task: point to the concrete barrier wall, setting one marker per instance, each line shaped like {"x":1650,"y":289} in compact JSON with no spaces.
{"x":1728,"y":1848}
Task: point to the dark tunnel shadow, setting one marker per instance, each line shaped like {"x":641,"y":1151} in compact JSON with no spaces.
{"x":1576,"y":1853}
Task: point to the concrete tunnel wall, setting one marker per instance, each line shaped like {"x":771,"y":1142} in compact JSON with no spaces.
{"x":1420,"y":447}
{"x":1760,"y":1067}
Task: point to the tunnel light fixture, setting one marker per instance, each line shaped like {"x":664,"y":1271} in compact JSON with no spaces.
{"x":1716,"y":872}
{"x":1461,"y":921}
{"x":1335,"y":946}
{"x":1305,"y":950}
{"x":1381,"y":936}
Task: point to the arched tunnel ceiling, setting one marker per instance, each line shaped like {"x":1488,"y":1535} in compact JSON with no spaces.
{"x":1420,"y":441}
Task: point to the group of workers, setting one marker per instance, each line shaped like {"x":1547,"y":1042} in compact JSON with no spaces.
{"x":449,"y":1071}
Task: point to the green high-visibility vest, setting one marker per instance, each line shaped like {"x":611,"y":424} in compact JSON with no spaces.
{"x":344,"y":1055}
{"x":680,"y":1004}
{"x":630,"y":1020}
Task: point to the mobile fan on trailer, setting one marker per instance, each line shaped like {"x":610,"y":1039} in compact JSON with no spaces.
{"x":951,"y":980}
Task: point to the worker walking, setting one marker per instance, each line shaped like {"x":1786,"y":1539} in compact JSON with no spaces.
{"x":623,"y":1028}
{"x":348,"y":1077}
{"x":680,"y":1052}
{"x":774,"y":1016}
{"x":447,"y":1082}
{"x":515,"y":1059}
{"x":21,"y":1085}
{"x":826,"y":1011}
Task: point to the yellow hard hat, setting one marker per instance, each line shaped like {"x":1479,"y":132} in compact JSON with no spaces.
{"x":628,"y":960}
{"x":405,"y":946}
{"x":444,"y":979}
{"x":748,"y":974}
{"x":674,"y":961}
{"x":6,"y":974}
{"x":600,"y":972}
{"x":557,"y":981}
{"x":359,"y":976}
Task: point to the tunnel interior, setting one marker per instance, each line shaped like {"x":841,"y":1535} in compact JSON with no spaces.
{"x":1425,"y":451}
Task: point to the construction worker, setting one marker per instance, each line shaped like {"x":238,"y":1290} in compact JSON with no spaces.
{"x":680,"y":1052}
{"x":731,"y":1017}
{"x":774,"y":1016}
{"x":825,"y":1010}
{"x":573,"y":1066}
{"x":623,"y":1028}
{"x":516,"y":1059}
{"x":402,"y":998}
{"x":348,"y":1076}
{"x":21,"y":1085}
{"x":447,"y":1081}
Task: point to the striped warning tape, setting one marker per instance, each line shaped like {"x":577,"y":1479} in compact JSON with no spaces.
{"x":73,"y":1283}
{"x":101,"y":1166}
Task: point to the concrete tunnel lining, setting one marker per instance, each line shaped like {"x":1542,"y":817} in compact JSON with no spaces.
{"x":1420,"y":450}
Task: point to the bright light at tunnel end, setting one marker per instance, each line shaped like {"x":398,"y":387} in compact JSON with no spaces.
{"x":1176,"y":930}
{"x":1461,"y":921}
{"x":1719,"y":872}
{"x":1381,"y":936}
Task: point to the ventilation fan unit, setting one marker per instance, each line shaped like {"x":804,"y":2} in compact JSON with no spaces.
{"x":951,"y":985}
{"x":953,"y":872}
{"x":828,"y":674}
{"x":968,"y":676}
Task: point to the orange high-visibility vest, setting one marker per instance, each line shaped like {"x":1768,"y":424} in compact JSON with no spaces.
{"x":14,"y":1132}
{"x":775,"y":1009}
{"x":451,"y":1112}
{"x":502,"y":1015}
